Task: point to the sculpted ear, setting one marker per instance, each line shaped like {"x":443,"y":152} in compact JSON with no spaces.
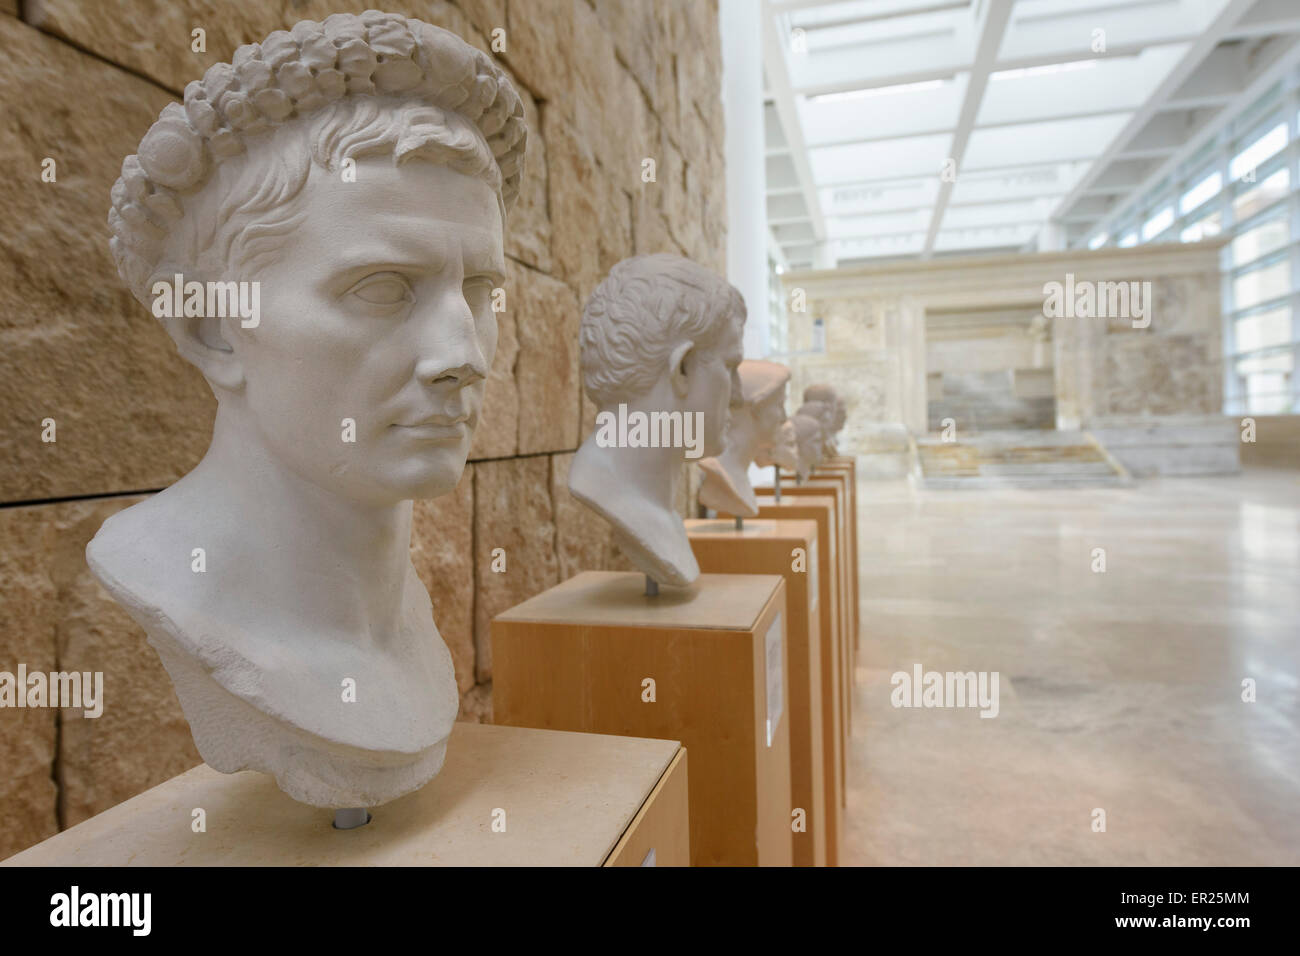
{"x":199,"y":340}
{"x":677,"y":368}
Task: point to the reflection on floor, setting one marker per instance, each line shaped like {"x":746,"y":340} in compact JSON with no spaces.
{"x":1119,"y":690}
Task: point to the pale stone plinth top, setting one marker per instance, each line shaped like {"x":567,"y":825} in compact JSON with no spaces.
{"x":728,"y":601}
{"x":793,"y":528}
{"x":765,"y":497}
{"x":814,"y":481}
{"x":567,"y":799}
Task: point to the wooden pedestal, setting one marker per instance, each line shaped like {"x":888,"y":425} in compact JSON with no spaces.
{"x":787,"y":548}
{"x":821,"y":509}
{"x":506,"y":796}
{"x":705,"y":665}
{"x":835,"y":488}
{"x":846,"y":468}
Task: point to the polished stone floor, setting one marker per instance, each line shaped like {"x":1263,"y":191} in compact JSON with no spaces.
{"x":1119,"y":690}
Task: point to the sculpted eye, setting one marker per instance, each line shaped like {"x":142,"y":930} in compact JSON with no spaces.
{"x":383,"y":288}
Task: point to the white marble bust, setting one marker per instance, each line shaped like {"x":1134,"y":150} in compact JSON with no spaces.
{"x":825,"y":415}
{"x":829,"y":397}
{"x":356,"y":175}
{"x":809,"y":444}
{"x":660,"y":344}
{"x":784,"y":450}
{"x":752,"y":431}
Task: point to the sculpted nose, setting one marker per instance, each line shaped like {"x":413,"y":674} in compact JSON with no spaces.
{"x":450,"y":352}
{"x":435,"y":372}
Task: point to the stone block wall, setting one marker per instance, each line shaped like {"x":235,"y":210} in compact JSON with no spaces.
{"x":606,"y":85}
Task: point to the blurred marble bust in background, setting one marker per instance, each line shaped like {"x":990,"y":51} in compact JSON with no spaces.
{"x":825,"y":416}
{"x":754,"y":429}
{"x":354,"y":175}
{"x":830,"y":397}
{"x":784,"y":450}
{"x":809,"y":444}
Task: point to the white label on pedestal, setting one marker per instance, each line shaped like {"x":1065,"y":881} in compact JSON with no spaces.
{"x":775,"y":679}
{"x":814,"y":591}
{"x":649,"y":858}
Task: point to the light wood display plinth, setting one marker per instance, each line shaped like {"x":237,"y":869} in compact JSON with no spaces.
{"x":821,"y":509}
{"x":847,"y":468}
{"x":706,"y":665}
{"x":787,"y":548}
{"x":834,"y":487}
{"x":506,"y":796}
{"x":827,"y":471}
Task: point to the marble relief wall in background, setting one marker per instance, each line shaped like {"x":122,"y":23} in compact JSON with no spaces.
{"x":1103,"y":371}
{"x":1183,"y":373}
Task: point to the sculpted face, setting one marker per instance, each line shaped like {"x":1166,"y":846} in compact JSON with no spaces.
{"x":378,"y":310}
{"x":769,"y":414}
{"x":808,"y":438}
{"x":785,"y":448}
{"x":714,"y":386}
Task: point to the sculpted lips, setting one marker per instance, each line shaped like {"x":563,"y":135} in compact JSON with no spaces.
{"x":436,"y":428}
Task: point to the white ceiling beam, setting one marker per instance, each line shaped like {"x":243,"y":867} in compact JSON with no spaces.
{"x":1185,"y":104}
{"x":1149,"y":152}
{"x":1121,"y":176}
{"x":952,"y":204}
{"x":927,"y":74}
{"x":778,"y":79}
{"x":1264,"y":79}
{"x":926,"y":173}
{"x":786,"y":207}
{"x":1010,"y":224}
{"x":1267,"y":17}
{"x":854,"y":19}
{"x":789,"y":6}
{"x":1089,"y":208}
{"x":1200,"y":49}
{"x":1221,"y":75}
{"x":1067,"y":115}
{"x":1108,"y":191}
{"x":989,"y":32}
{"x":1079,"y":220}
{"x":1164,"y":132}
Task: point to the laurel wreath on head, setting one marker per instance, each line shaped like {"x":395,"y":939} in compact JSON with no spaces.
{"x":288,"y":75}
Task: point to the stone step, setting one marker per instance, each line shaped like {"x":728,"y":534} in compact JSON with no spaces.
{"x":1029,"y":458}
{"x":978,"y":482}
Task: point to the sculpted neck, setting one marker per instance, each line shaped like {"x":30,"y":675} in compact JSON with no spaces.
{"x":325,"y":553}
{"x":649,"y":474}
{"x":742,"y":443}
{"x":726,"y":486}
{"x":634,"y":489}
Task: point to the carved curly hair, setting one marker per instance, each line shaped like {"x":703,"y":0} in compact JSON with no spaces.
{"x":640,"y":311}
{"x":375,"y":79}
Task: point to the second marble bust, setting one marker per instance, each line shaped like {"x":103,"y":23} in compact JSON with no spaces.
{"x":660,"y":344}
